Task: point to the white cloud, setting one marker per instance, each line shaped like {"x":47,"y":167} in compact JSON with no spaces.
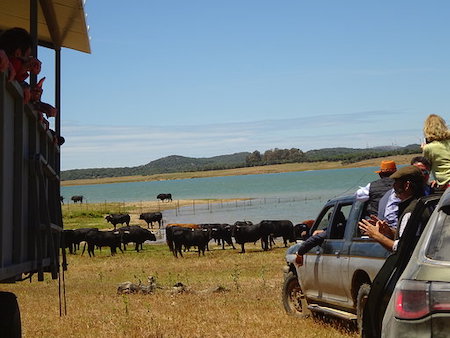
{"x":89,"y":146}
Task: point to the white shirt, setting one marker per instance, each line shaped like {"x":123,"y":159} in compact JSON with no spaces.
{"x":405,"y":220}
{"x":362,"y":194}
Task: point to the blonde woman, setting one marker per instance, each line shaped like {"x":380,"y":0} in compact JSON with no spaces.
{"x":437,"y":148}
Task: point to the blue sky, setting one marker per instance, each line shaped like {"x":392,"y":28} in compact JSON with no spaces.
{"x":206,"y":78}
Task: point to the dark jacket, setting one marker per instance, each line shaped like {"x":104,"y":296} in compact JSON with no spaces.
{"x":376,"y":191}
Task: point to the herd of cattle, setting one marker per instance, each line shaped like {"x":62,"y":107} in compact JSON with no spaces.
{"x":183,"y":236}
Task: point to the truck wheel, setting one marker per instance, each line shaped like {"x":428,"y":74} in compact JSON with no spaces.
{"x":291,"y":295}
{"x":9,"y":315}
{"x":361,"y":300}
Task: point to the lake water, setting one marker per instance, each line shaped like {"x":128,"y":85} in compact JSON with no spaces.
{"x":295,"y":196}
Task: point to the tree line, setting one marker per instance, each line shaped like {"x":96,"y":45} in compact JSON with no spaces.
{"x":346,"y":155}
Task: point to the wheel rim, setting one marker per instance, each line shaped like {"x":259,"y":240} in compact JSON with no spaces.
{"x":295,"y":295}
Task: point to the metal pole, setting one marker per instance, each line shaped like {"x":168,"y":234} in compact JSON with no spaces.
{"x":34,"y":34}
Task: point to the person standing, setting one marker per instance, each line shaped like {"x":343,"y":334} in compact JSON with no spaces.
{"x":374,"y":191}
{"x":437,"y":149}
{"x":408,"y":187}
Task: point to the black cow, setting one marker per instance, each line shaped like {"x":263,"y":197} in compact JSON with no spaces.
{"x":221,"y":233}
{"x":272,"y":229}
{"x":246,"y":233}
{"x":189,"y":237}
{"x":115,"y":219}
{"x":103,"y":238}
{"x":164,"y":197}
{"x":79,"y":235}
{"x":135,"y":234}
{"x":150,"y":217}
{"x":67,"y":240}
{"x":77,"y":198}
{"x":61,"y":199}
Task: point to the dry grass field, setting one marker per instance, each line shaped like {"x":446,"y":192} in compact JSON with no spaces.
{"x":250,"y":307}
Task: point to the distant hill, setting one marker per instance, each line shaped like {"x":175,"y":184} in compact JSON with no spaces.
{"x":169,"y":164}
{"x":175,"y":163}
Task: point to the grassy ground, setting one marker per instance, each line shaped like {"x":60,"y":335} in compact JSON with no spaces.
{"x":250,"y":308}
{"x":93,"y":214}
{"x":278,"y":168}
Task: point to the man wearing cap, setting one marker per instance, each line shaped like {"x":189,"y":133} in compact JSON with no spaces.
{"x":375,"y":190}
{"x":388,"y":205}
{"x":408,"y":187}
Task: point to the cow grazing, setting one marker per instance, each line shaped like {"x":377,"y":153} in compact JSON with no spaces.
{"x":103,"y":238}
{"x":77,"y":198}
{"x":79,"y":235}
{"x":189,"y":237}
{"x":164,"y":197}
{"x":169,"y":230}
{"x":221,"y":233}
{"x":135,"y":234}
{"x":150,"y":217}
{"x":115,"y":219}
{"x":272,"y":229}
{"x":246,"y":233}
{"x":67,"y":240}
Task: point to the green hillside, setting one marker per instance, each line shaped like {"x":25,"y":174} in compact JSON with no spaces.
{"x":175,"y":163}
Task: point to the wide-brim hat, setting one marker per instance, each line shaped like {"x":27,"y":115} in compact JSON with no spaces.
{"x":387,"y":167}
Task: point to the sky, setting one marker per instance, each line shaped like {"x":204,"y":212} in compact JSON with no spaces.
{"x":202,"y":78}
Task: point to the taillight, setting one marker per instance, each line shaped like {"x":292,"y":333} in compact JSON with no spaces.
{"x":440,"y":297}
{"x":411,"y":299}
{"x":416,"y":299}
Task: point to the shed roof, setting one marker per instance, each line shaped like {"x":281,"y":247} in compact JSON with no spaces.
{"x":61,"y":23}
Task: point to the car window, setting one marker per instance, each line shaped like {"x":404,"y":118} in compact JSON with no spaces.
{"x":439,"y":247}
{"x":340,"y":221}
{"x":324,"y":222}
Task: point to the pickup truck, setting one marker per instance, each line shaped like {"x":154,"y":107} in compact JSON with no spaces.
{"x":336,"y":276}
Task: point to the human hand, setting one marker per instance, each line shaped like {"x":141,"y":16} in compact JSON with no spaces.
{"x":369,"y":227}
{"x":46,"y":108}
{"x":299,"y":260}
{"x":317,"y":232}
{"x":32,"y":65}
{"x":383,"y":225}
{"x":36,"y":91}
{"x":36,"y":94}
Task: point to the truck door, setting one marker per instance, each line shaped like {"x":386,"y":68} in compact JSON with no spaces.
{"x":334,"y":265}
{"x":309,"y":272}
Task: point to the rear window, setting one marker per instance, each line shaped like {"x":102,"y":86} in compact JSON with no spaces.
{"x":439,"y":247}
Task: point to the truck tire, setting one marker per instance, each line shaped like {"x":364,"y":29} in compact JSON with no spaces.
{"x":361,"y":300}
{"x":9,"y":316}
{"x":291,"y":296}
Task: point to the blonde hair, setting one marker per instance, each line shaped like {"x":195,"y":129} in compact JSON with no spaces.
{"x":435,"y":128}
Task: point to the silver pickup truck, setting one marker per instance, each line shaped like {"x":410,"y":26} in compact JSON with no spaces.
{"x":336,"y":276}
